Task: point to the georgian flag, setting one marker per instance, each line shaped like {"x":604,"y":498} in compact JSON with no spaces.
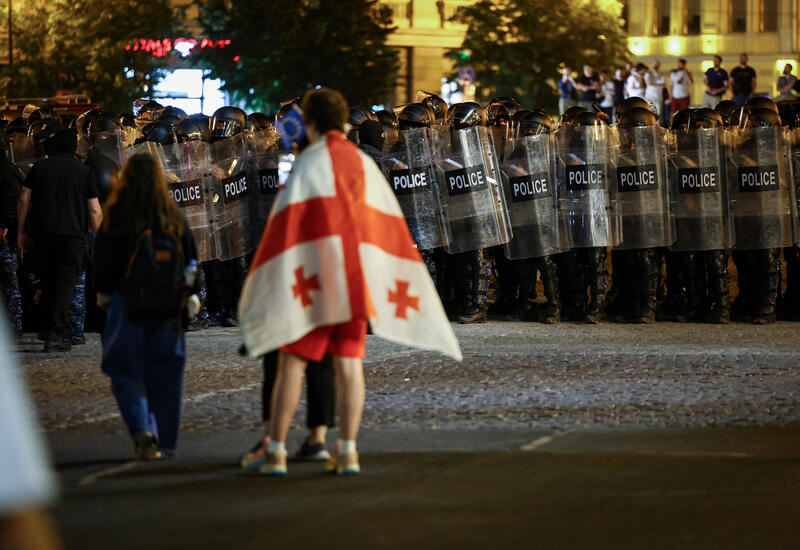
{"x":336,"y":247}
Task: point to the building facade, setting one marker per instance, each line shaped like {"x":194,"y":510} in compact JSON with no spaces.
{"x":424,"y":34}
{"x":767,"y":30}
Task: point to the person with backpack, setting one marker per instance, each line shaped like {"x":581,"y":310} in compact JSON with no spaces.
{"x":146,"y":265}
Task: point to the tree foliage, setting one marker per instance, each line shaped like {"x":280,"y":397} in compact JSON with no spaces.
{"x":294,"y":45}
{"x":80,"y":45}
{"x":517,"y":46}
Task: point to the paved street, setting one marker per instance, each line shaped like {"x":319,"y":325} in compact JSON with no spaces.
{"x":606,"y":436}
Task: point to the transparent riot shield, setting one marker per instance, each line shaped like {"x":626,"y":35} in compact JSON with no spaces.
{"x":530,"y":195}
{"x":409,"y":167}
{"x":761,"y":195}
{"x":230,"y":208}
{"x":186,"y":166}
{"x":583,"y":176}
{"x":471,"y":200}
{"x":794,"y":165}
{"x":267,"y":171}
{"x":639,"y":191}
{"x":698,"y":206}
{"x":25,"y":152}
{"x":109,"y":144}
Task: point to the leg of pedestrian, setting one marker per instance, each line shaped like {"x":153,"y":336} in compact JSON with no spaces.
{"x":285,"y":398}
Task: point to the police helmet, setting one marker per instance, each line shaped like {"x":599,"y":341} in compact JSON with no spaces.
{"x":584,"y":120}
{"x":103,"y":124}
{"x":705,"y":118}
{"x":415,"y":115}
{"x":169,"y":119}
{"x":630,"y":103}
{"x":150,"y":110}
{"x":762,"y":118}
{"x":44,"y":129}
{"x":535,"y":122}
{"x":571,"y":113}
{"x":358,"y":115}
{"x":17,"y":126}
{"x":386,"y":117}
{"x":158,"y":132}
{"x":127,"y":120}
{"x":726,"y":109}
{"x":637,"y":116}
{"x":466,"y":115}
{"x":760,"y":102}
{"x":227,"y":121}
{"x":258,"y":121}
{"x":436,"y":104}
{"x":188,"y":130}
{"x":46,"y":111}
{"x":680,"y":119}
{"x":498,"y":115}
{"x":205,"y":124}
{"x":171,"y":110}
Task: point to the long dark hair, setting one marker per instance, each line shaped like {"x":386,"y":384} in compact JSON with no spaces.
{"x":140,"y":201}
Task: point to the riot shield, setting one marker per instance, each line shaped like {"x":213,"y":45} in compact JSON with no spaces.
{"x":109,"y":144}
{"x":267,"y":170}
{"x":186,"y":166}
{"x":639,"y":192}
{"x":583,"y":176}
{"x":410,"y":170}
{"x":794,"y":165}
{"x":760,"y":191}
{"x":230,"y":208}
{"x":698,"y":206}
{"x":471,"y":200}
{"x":25,"y":152}
{"x":528,"y":184}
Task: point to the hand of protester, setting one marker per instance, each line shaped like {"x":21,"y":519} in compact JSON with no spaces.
{"x":23,"y":242}
{"x":103,"y":300}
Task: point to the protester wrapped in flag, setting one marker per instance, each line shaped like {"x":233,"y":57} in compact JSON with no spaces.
{"x":336,"y":254}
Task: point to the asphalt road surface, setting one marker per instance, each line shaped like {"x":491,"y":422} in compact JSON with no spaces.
{"x":567,"y":436}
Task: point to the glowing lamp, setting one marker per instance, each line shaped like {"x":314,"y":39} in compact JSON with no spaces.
{"x":638,"y":46}
{"x":674,"y":45}
{"x":710,"y":43}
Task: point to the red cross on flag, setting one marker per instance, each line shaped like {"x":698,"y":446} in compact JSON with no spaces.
{"x":336,"y":247}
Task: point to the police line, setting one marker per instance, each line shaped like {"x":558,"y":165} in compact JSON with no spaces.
{"x":226,"y":188}
{"x":622,"y":187}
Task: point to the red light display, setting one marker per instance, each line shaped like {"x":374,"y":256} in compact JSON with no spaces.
{"x":164,"y":46}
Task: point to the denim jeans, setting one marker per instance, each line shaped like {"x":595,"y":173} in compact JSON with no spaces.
{"x":145,"y":362}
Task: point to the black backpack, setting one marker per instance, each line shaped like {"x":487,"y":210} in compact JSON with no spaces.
{"x":153,"y":287}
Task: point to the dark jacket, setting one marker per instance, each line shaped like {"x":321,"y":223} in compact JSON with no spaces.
{"x":113,"y":253}
{"x":10,"y":181}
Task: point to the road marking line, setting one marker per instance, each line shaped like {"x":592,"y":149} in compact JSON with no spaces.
{"x":194,"y":399}
{"x":544,"y":440}
{"x":91,"y":478}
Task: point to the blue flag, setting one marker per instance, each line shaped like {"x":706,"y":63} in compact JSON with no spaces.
{"x":291,"y":127}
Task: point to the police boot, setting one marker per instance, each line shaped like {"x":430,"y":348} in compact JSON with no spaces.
{"x":614,"y":295}
{"x":597,"y":275}
{"x":791,"y":298}
{"x":768,"y":273}
{"x":505,"y":300}
{"x":744,"y":305}
{"x":673,"y":307}
{"x":571,"y":267}
{"x":216,"y":291}
{"x":719,"y":286}
{"x":471,"y":289}
{"x":551,"y":312}
{"x":526,"y":302}
{"x":238,"y":271}
{"x":646,"y":284}
{"x":697,"y":295}
{"x":200,"y":321}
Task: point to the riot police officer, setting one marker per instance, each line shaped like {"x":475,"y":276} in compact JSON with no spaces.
{"x":760,"y":204}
